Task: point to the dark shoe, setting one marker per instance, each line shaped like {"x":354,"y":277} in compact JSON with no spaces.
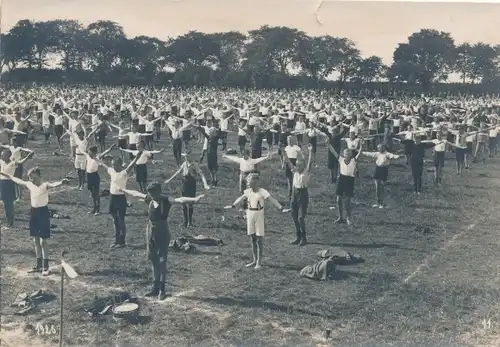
{"x":37,"y":267}
{"x":162,"y":293}
{"x":296,"y":242}
{"x":303,"y":242}
{"x":154,"y":291}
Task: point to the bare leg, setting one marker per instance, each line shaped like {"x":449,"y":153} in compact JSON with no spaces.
{"x":260,"y":247}
{"x":254,"y":251}
{"x":340,"y":206}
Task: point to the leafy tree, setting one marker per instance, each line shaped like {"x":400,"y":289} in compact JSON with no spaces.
{"x":193,"y":49}
{"x":274,"y":46}
{"x":72,"y":43}
{"x":23,"y":42}
{"x":313,"y":58}
{"x":8,"y":51}
{"x":368,"y":70}
{"x":45,"y":42}
{"x":346,"y":58}
{"x":268,"y":57}
{"x":427,"y":57}
{"x":476,"y":61}
{"x":105,"y":39}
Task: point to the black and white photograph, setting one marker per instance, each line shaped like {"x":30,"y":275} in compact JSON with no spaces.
{"x":261,"y":173}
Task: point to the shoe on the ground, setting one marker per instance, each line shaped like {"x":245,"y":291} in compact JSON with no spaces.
{"x":154,"y":291}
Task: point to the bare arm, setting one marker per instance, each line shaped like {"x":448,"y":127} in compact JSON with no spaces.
{"x":132,"y":163}
{"x":183,"y":200}
{"x":332,"y":150}
{"x":275,"y":203}
{"x":288,"y":162}
{"x":360,"y":148}
{"x":174,"y":175}
{"x":15,"y":179}
{"x":56,"y":184}
{"x":237,"y":201}
{"x":30,"y":154}
{"x":106,"y":151}
{"x":203,"y":178}
{"x":309,"y":159}
{"x":134,"y":193}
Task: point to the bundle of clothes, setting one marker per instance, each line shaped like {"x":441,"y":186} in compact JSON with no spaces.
{"x":27,"y":303}
{"x":326,"y":267}
{"x":103,"y":306}
{"x":186,"y":243}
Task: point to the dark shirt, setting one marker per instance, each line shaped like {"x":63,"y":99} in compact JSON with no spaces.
{"x":283,"y":138}
{"x":256,"y":144}
{"x":335,"y":139}
{"x":388,"y":138}
{"x":213,"y":141}
{"x":418,"y":152}
{"x":161,"y":212}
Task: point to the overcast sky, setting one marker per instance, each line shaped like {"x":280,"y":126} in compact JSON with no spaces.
{"x":376,"y":27}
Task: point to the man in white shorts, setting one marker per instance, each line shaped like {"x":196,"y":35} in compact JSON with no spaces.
{"x":255,"y":197}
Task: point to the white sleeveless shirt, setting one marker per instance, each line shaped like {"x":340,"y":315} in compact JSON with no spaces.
{"x":347,"y":169}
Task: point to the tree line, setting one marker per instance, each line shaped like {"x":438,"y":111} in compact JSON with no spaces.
{"x":269,"y":57}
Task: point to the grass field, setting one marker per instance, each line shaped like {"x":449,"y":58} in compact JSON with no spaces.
{"x":415,"y":288}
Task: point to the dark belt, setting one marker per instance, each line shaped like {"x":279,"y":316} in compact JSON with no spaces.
{"x":246,"y":173}
{"x":255,"y":209}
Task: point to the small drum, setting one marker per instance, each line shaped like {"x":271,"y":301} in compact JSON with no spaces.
{"x":126,"y":312}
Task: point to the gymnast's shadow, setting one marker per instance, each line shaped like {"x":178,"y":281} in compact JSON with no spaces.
{"x":363,"y":245}
{"x":433,"y":207}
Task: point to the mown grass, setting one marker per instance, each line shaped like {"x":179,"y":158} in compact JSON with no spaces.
{"x":217,"y":302}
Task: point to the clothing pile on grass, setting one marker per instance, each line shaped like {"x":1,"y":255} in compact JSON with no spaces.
{"x":28,"y":303}
{"x":186,"y":244}
{"x":326,"y":267}
{"x":103,"y":306}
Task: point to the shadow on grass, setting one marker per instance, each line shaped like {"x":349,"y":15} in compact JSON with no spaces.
{"x":363,"y":245}
{"x":115,"y":274}
{"x":478,"y":187}
{"x":10,"y":251}
{"x":65,"y":202}
{"x":264,"y":305}
{"x":434,"y":207}
{"x":408,"y":225}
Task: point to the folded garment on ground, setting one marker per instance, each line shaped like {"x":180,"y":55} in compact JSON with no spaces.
{"x":103,"y":306}
{"x":203,"y":240}
{"x":57,"y":215}
{"x":181,"y":244}
{"x":321,"y":271}
{"x":28,"y":302}
{"x":341,"y":257}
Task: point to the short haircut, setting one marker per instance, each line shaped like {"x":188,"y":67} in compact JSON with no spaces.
{"x":154,"y":187}
{"x":35,"y":170}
